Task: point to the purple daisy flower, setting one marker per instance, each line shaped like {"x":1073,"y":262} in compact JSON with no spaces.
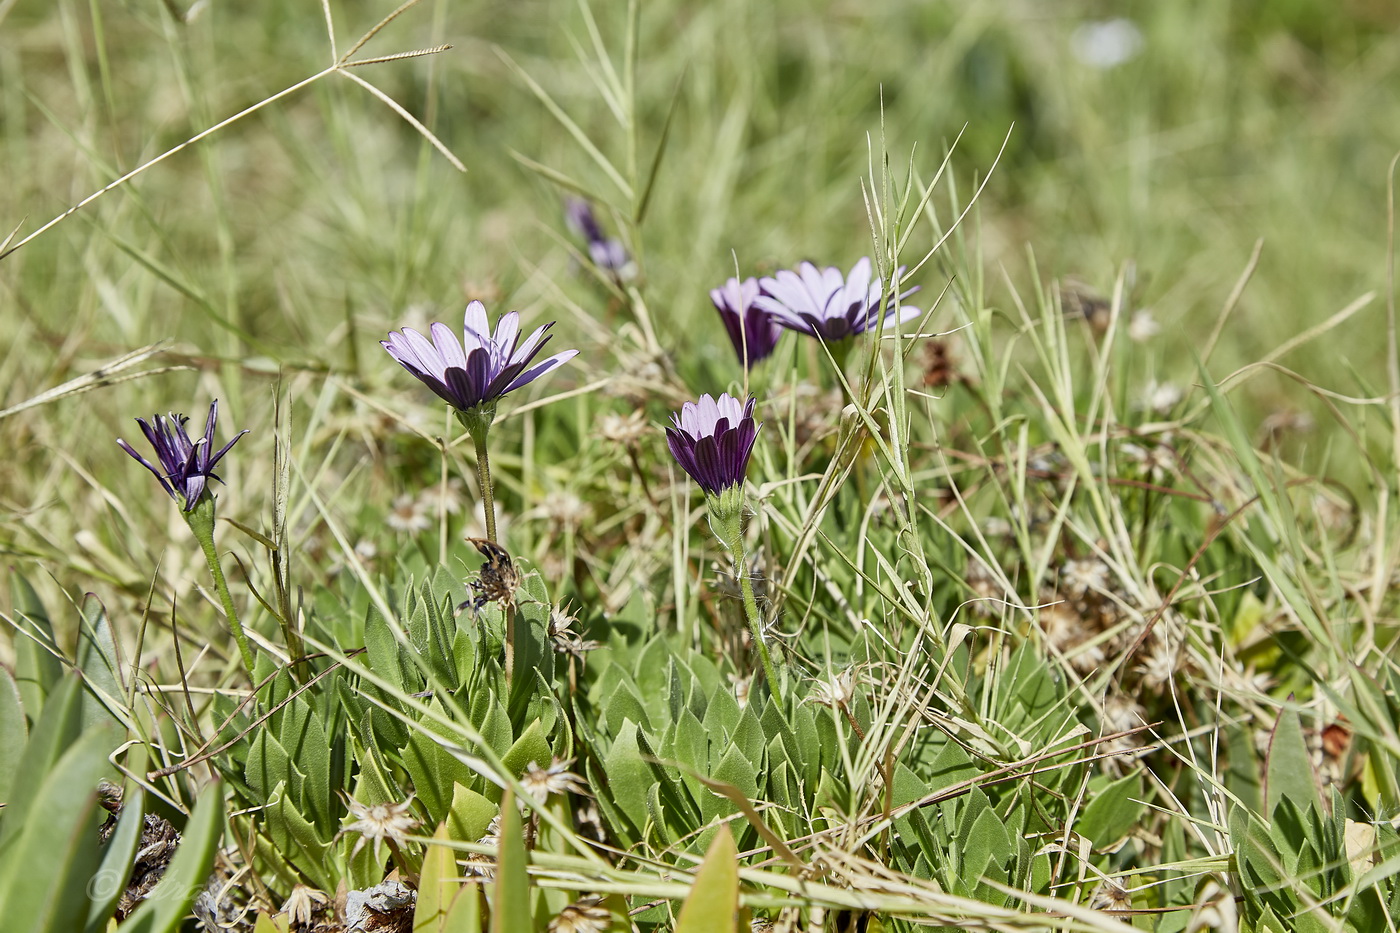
{"x":605,"y":252}
{"x":186,"y":466}
{"x":749,"y":326}
{"x":826,"y":304}
{"x":712,"y":440}
{"x":481,"y":367}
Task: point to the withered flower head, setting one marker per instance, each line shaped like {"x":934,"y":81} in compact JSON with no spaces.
{"x":585,"y":915}
{"x":498,"y":578}
{"x":380,"y":822}
{"x":543,"y":783}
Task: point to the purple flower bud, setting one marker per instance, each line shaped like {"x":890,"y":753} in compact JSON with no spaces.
{"x":750,"y":328}
{"x":481,"y":367}
{"x":826,"y":304}
{"x":712,"y":440}
{"x":185,"y":466}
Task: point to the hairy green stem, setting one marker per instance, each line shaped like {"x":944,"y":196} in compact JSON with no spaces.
{"x":477,"y":421}
{"x":726,"y":521}
{"x":201,"y":522}
{"x":483,"y":475}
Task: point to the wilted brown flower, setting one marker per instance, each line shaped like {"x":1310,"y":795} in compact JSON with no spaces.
{"x":585,"y":915}
{"x":543,"y":783}
{"x":380,"y":822}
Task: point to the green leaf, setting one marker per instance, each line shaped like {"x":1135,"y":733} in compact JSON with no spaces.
{"x":14,"y":732}
{"x":383,"y":649}
{"x":1289,"y":772}
{"x":57,"y":728}
{"x":532,"y":746}
{"x":987,"y":845}
{"x":97,"y":659}
{"x":166,"y":906}
{"x":629,"y":776}
{"x":713,"y":903}
{"x":510,"y":908}
{"x":296,"y":839}
{"x":471,"y":814}
{"x":1111,"y":812}
{"x":439,"y":892}
{"x":37,"y":667}
{"x":434,"y":771}
{"x":51,"y":852}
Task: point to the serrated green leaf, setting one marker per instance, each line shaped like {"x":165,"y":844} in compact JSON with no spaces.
{"x":434,"y":771}
{"x":166,"y":906}
{"x":986,"y":848}
{"x":712,"y":906}
{"x":298,"y":842}
{"x":383,"y":650}
{"x":629,"y":776}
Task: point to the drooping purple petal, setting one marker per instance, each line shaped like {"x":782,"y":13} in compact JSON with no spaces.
{"x":482,"y":366}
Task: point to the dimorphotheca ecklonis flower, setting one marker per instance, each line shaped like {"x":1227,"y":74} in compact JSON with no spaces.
{"x":753,"y":331}
{"x":186,"y":466}
{"x":826,"y":304}
{"x":712,"y":440}
{"x":482,"y":366}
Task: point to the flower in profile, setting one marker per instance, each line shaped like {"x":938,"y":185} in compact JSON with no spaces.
{"x":826,"y":304}
{"x":606,"y":253}
{"x":476,"y":371}
{"x":186,"y":466}
{"x":712,"y":440}
{"x":753,"y":331}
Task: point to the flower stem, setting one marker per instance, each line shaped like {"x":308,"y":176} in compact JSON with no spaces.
{"x":725,"y":523}
{"x":201,"y":522}
{"x":741,"y":570}
{"x":477,"y":421}
{"x":483,"y":475}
